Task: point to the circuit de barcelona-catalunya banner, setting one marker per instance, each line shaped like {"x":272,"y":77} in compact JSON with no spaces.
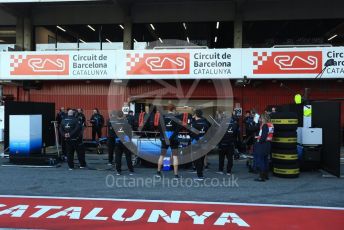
{"x":272,"y":63}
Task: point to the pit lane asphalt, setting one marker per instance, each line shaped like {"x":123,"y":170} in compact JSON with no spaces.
{"x":309,"y":189}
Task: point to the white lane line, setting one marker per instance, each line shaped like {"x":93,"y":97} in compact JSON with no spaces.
{"x":172,"y":201}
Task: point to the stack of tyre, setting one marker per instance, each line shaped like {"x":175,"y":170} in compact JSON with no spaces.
{"x":284,"y":145}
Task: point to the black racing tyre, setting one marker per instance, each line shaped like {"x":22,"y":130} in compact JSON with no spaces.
{"x":284,"y":121}
{"x":284,"y":156}
{"x":285,"y":134}
{"x":283,"y":151}
{"x":284,"y":140}
{"x":286,"y":170}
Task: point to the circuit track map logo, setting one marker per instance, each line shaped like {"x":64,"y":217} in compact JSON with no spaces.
{"x":158,"y":63}
{"x":287,"y":62}
{"x":57,"y":64}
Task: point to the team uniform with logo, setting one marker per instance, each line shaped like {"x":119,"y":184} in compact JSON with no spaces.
{"x":119,"y":135}
{"x":97,"y":121}
{"x":227,"y":145}
{"x":169,"y":133}
{"x":202,"y":125}
{"x":71,"y":131}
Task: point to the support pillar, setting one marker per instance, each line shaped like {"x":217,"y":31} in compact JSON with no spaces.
{"x":128,"y":34}
{"x":238,"y":32}
{"x":24,"y":34}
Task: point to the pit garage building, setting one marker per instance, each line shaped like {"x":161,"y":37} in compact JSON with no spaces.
{"x":114,"y":25}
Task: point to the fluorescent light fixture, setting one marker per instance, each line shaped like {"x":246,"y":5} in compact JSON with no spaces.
{"x":215,"y":40}
{"x":108,"y":40}
{"x":60,"y":28}
{"x":91,"y":27}
{"x":151,"y":25}
{"x":184,"y":24}
{"x":7,"y":32}
{"x":187,"y":38}
{"x":122,"y":27}
{"x":160,"y":40}
{"x":217,"y":25}
{"x":82,"y":40}
{"x":135,"y":40}
{"x":332,"y":37}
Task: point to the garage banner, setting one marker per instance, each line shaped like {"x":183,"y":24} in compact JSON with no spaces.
{"x":298,"y":63}
{"x":58,"y":65}
{"x":186,"y":64}
{"x":272,"y":63}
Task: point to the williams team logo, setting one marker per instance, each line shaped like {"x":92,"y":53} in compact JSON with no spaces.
{"x":158,"y":63}
{"x":39,"y":64}
{"x":287,"y":62}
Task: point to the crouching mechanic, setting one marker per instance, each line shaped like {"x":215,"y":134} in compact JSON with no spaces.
{"x":227,"y":146}
{"x":169,"y":130}
{"x":71,"y":130}
{"x":121,"y":131}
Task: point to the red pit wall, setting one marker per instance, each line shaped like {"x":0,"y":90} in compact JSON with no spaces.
{"x":76,"y":94}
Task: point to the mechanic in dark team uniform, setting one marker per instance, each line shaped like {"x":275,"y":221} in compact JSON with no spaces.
{"x":169,"y":130}
{"x":61,"y":115}
{"x":202,"y":125}
{"x":81,"y":117}
{"x":131,"y":119}
{"x":71,"y":131}
{"x":121,"y":132}
{"x":184,"y":137}
{"x":111,"y":141}
{"x":97,"y":121}
{"x":59,"y":118}
{"x":227,"y":145}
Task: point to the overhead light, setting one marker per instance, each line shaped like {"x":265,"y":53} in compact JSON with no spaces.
{"x":82,"y":41}
{"x":217,"y":25}
{"x":7,"y":33}
{"x":215,"y":40}
{"x":60,"y":28}
{"x":135,"y":40}
{"x":91,"y":27}
{"x":122,"y":27}
{"x":108,"y":40}
{"x":332,"y":37}
{"x":187,"y":39}
{"x":151,"y":25}
{"x":184,"y":24}
{"x":2,"y":41}
{"x":160,"y":40}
